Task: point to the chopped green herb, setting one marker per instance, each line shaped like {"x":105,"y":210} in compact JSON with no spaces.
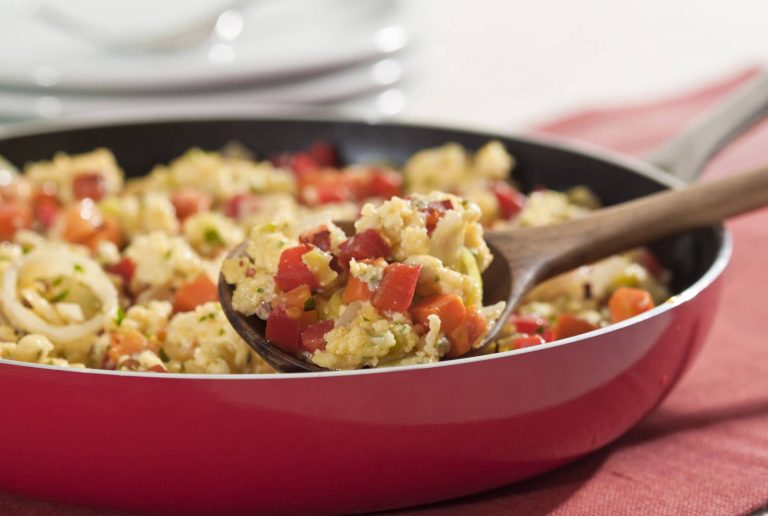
{"x":309,"y":304}
{"x":57,"y":281}
{"x":26,"y":249}
{"x":163,"y":355}
{"x":260,"y":290}
{"x":79,"y":268}
{"x":167,"y":254}
{"x":221,"y":332}
{"x":120,"y":316}
{"x":280,"y":244}
{"x":207,"y":317}
{"x":212,"y":237}
{"x":61,"y":296}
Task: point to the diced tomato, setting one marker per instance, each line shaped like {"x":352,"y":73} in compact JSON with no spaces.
{"x":319,"y":187}
{"x":356,"y":290}
{"x":301,"y":163}
{"x":529,"y":323}
{"x":528,"y":341}
{"x":384,"y":183}
{"x":548,"y":335}
{"x":398,"y":284}
{"x":47,"y":209}
{"x":89,"y":186}
{"x":626,"y":302}
{"x":283,"y":330}
{"x":510,"y":200}
{"x":320,"y":239}
{"x":13,"y":216}
{"x":476,"y":324}
{"x":292,"y":272}
{"x":568,"y":325}
{"x":293,"y":302}
{"x":190,"y":295}
{"x":240,"y":205}
{"x":323,"y":154}
{"x":434,"y":212}
{"x":188,"y":201}
{"x":125,"y":268}
{"x":312,"y":336}
{"x":368,"y":244}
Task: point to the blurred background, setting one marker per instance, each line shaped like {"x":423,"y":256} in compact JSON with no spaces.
{"x":494,"y":64}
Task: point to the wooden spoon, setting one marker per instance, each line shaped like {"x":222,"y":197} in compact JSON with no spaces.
{"x":527,"y":256}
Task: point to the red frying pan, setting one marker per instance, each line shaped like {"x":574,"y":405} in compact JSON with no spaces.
{"x":371,"y":439}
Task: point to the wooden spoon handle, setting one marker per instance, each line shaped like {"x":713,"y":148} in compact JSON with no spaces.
{"x":562,"y":247}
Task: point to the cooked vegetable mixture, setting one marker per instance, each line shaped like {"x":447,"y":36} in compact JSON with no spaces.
{"x":101,"y":271}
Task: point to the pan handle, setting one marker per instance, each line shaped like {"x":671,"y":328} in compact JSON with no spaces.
{"x":686,"y":154}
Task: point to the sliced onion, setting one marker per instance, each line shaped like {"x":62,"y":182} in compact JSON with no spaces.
{"x":51,"y":261}
{"x":349,"y":313}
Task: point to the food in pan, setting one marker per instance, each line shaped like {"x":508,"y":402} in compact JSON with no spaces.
{"x":101,"y":271}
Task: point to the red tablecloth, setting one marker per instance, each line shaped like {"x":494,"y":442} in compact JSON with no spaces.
{"x":705,"y":449}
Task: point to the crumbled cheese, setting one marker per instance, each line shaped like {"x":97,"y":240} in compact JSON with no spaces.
{"x":202,"y":341}
{"x":62,"y":170}
{"x":210,"y":232}
{"x":162,"y":260}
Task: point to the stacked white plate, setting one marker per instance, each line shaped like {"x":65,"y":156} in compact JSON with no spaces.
{"x":78,"y":57}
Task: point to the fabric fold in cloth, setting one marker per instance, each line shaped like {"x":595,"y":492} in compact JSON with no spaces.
{"x":705,"y":449}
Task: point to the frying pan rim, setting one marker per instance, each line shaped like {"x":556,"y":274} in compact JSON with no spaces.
{"x":204,"y":114}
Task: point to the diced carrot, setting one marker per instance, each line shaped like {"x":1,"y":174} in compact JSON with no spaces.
{"x":476,"y":324}
{"x":190,"y":295}
{"x":453,"y":321}
{"x":398,"y":284}
{"x":448,"y":307}
{"x":84,"y":224}
{"x":80,"y":222}
{"x":356,"y":290}
{"x":293,"y":302}
{"x":13,"y":216}
{"x":127,"y":341}
{"x":459,"y":339}
{"x":108,"y":231}
{"x":568,"y":325}
{"x":626,"y":302}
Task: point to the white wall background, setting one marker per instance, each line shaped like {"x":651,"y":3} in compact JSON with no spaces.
{"x":503,"y":64}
